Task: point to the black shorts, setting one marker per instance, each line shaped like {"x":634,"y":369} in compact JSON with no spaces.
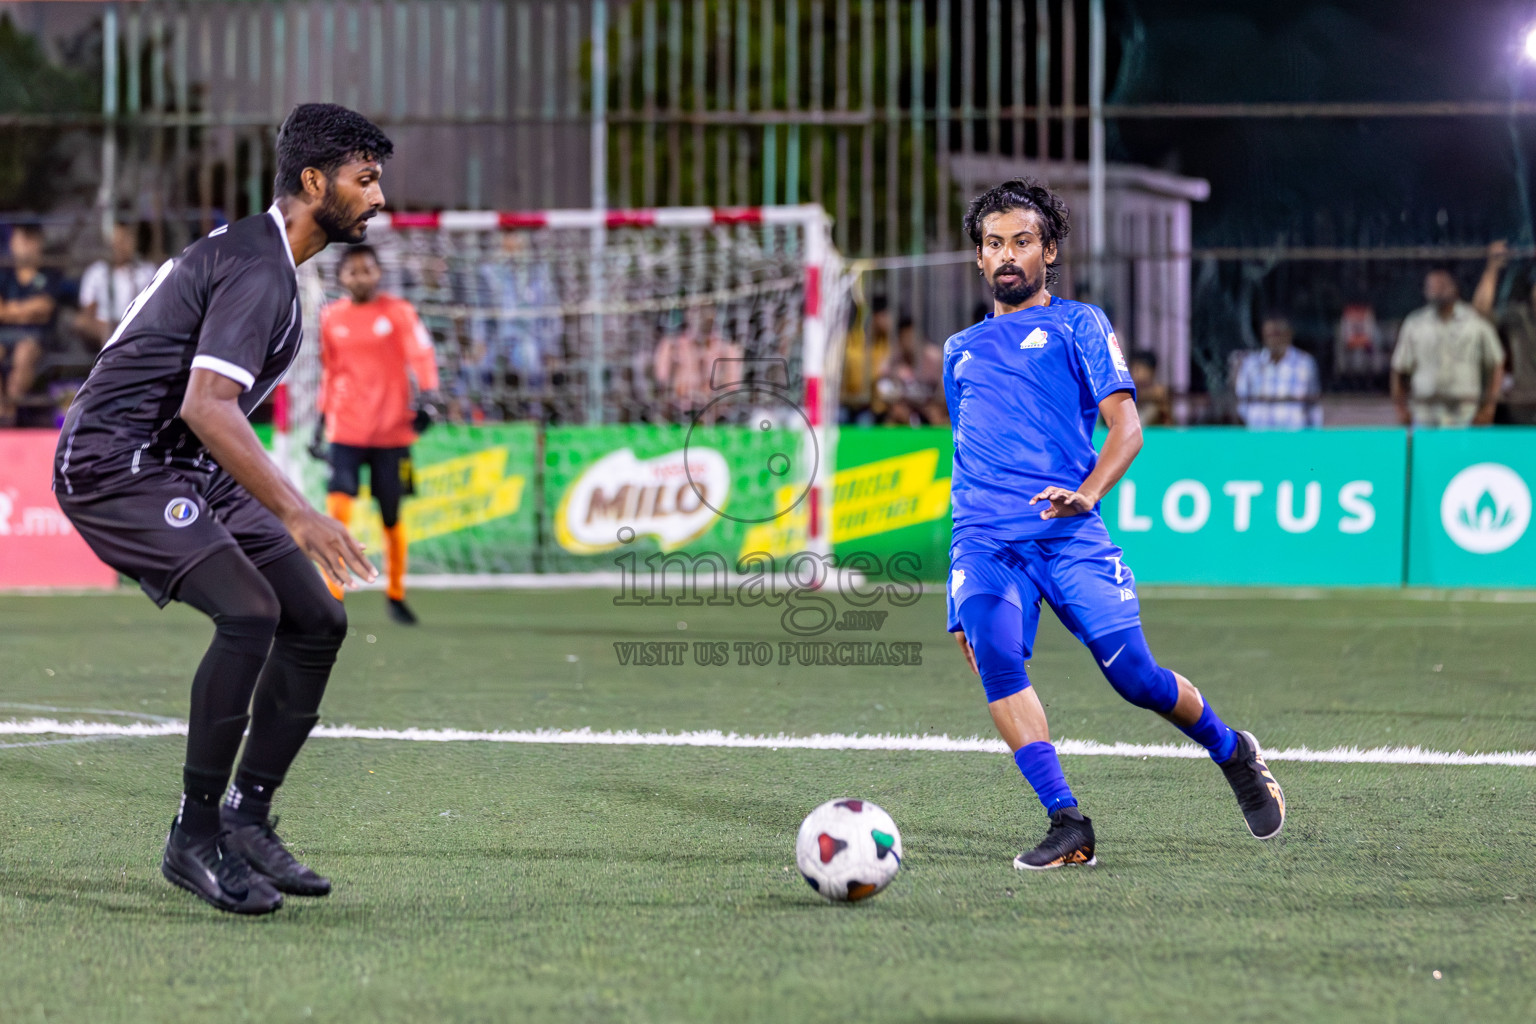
{"x":390,"y":475}
{"x":155,"y":525}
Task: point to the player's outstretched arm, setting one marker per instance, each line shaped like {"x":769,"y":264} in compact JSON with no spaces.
{"x":1120,"y":449}
{"x":211,"y":408}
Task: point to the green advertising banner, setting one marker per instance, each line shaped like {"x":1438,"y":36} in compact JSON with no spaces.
{"x":891,"y":497}
{"x":727,"y":490}
{"x":1215,"y":505}
{"x":474,"y":510}
{"x":1202,"y":506}
{"x":1471,"y":511}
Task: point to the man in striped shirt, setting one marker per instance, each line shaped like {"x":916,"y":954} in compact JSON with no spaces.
{"x":1277,"y":387}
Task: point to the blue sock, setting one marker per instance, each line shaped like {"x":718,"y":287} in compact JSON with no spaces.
{"x":1040,"y":766}
{"x":1212,"y":733}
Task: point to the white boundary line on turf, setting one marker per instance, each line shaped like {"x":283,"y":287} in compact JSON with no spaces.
{"x":614,"y":581}
{"x":819,"y":741}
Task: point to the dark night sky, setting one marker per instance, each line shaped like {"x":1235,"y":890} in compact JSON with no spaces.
{"x":1335,"y":181}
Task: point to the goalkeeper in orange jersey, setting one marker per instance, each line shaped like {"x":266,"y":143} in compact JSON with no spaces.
{"x":378,"y":381}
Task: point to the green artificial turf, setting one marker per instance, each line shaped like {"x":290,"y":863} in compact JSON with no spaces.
{"x":481,"y":881}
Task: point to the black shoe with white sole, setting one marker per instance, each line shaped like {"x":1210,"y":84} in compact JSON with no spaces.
{"x":1069,"y":841}
{"x":1258,"y":794}
{"x":211,"y":871}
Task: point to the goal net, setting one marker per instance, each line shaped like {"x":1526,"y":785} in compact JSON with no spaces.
{"x":563,"y":330}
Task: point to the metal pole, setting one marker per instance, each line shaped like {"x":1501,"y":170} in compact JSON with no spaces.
{"x":104,"y":194}
{"x":1096,"y":175}
{"x":599,"y":197}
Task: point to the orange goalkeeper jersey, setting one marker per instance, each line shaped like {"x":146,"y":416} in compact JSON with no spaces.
{"x":369,"y":353}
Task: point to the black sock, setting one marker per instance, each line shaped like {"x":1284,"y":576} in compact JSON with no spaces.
{"x":226,"y":587}
{"x":249,"y":800}
{"x":286,"y":704}
{"x":199,"y":815}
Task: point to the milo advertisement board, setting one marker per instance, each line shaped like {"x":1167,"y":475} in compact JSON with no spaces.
{"x":702,"y":490}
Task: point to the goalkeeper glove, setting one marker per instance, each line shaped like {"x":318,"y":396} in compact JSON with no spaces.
{"x":318,"y":449}
{"x":428,"y":412}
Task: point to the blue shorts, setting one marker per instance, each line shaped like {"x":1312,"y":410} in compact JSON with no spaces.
{"x":1081,"y":576}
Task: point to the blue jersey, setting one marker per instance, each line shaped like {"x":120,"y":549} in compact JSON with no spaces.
{"x":1023,"y":391}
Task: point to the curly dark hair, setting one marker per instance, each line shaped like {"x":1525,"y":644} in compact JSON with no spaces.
{"x":1026,"y":194}
{"x":324,"y":136}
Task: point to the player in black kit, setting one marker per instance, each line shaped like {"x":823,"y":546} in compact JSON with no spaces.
{"x":161,"y":473}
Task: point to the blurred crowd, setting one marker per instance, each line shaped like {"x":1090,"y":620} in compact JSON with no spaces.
{"x":1447,"y":363}
{"x":52,"y":324}
{"x":1450,"y":362}
{"x":892,"y":375}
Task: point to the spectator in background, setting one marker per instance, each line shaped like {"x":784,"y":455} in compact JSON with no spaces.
{"x":866,"y":356}
{"x":930,"y":373}
{"x":1154,"y":405}
{"x":109,"y":285}
{"x":522,"y":324}
{"x":1448,"y":364}
{"x":683,"y":366}
{"x":899,"y":397}
{"x":1517,"y":327}
{"x":27,"y":305}
{"x":1360,"y":350}
{"x":1277,"y":387}
{"x":910,"y":390}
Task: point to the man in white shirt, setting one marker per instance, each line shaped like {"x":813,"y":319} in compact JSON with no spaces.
{"x":1448,"y":361}
{"x":108,"y":286}
{"x":1277,"y":388}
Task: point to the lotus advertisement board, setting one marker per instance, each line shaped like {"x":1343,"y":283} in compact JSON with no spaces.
{"x":1216,"y":505}
{"x":1471,"y":509}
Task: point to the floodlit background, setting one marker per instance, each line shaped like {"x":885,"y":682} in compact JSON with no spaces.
{"x":720,"y":241}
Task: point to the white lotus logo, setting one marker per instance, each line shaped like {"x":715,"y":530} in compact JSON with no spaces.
{"x":667,"y":497}
{"x":1486,"y":508}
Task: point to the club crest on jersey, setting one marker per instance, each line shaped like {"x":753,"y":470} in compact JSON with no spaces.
{"x":181,"y":512}
{"x":1036,"y":339}
{"x":382,"y":326}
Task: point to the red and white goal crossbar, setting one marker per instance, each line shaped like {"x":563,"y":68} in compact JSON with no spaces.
{"x":818,"y":250}
{"x":660,"y":217}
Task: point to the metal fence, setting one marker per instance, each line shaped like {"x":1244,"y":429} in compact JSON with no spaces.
{"x":866,"y":107}
{"x":858,"y":105}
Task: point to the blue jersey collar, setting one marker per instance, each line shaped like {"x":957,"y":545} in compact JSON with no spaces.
{"x":1048,"y":300}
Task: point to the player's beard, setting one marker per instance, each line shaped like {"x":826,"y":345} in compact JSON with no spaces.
{"x":338,"y":223}
{"x":1015,"y":291}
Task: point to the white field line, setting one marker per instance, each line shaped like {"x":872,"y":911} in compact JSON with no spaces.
{"x":614,"y":581}
{"x":819,"y":741}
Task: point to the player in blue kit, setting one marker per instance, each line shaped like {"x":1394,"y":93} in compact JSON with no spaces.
{"x":1025,"y":387}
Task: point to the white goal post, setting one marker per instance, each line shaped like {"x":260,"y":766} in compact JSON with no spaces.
{"x":570,"y":317}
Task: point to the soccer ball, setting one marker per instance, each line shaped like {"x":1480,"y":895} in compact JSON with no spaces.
{"x":848,"y":850}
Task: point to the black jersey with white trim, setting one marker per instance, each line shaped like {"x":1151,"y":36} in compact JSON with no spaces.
{"x":229,"y":303}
